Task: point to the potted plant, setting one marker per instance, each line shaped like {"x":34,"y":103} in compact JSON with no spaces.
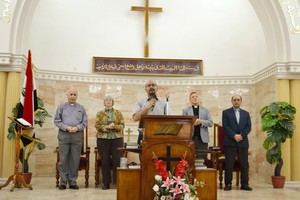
{"x":39,"y":119}
{"x":277,"y":120}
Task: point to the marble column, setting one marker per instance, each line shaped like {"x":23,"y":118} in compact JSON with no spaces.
{"x":295,"y":141}
{"x":283,"y":94}
{"x":3,"y":78}
{"x":13,"y":92}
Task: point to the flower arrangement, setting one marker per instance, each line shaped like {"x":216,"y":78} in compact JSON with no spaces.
{"x":177,"y":183}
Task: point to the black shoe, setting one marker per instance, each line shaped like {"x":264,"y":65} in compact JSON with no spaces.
{"x":62,"y":187}
{"x":105,"y":187}
{"x":74,"y":187}
{"x":246,"y":188}
{"x":227,"y":187}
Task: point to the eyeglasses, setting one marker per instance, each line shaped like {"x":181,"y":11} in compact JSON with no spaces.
{"x":236,"y":100}
{"x":153,"y":85}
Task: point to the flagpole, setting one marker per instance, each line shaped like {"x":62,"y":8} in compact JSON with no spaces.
{"x":17,"y":178}
{"x":28,"y":105}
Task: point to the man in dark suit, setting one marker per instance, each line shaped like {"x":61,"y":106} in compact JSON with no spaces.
{"x":237,"y":125}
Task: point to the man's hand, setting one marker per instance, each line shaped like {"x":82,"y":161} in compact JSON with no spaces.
{"x":72,"y":129}
{"x":151,"y":103}
{"x":137,"y":116}
{"x":238,"y":137}
{"x":197,"y":122}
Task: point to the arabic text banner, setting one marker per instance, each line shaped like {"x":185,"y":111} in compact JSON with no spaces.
{"x":140,"y":66}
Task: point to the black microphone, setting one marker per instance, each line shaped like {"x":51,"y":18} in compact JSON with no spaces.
{"x":154,"y":97}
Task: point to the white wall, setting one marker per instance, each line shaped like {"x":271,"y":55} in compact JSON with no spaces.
{"x":233,"y":37}
{"x":65,"y":35}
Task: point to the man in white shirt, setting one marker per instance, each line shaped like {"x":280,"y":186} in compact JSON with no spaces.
{"x":150,"y":105}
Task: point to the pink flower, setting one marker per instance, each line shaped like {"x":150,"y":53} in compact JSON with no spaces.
{"x":176,"y":184}
{"x":168,"y":183}
{"x":179,"y":181}
{"x":176,"y":191}
{"x":185,"y":187}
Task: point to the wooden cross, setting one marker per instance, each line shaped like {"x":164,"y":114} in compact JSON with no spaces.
{"x":146,"y":11}
{"x":168,"y":158}
{"x":128,"y":132}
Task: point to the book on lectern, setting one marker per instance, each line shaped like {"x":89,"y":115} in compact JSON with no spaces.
{"x":23,"y":122}
{"x":168,"y":129}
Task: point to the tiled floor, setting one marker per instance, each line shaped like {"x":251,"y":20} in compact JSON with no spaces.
{"x":44,"y":189}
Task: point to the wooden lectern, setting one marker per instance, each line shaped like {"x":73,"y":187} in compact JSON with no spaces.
{"x":168,"y":137}
{"x":17,"y":178}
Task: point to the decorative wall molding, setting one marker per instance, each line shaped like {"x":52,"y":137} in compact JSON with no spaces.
{"x":292,"y":11}
{"x":10,"y":62}
{"x":282,"y":70}
{"x":6,"y":11}
{"x":123,"y":79}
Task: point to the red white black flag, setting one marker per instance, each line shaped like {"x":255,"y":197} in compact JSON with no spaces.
{"x":28,"y":103}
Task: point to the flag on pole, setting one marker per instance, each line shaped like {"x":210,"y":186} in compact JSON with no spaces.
{"x":28,"y":104}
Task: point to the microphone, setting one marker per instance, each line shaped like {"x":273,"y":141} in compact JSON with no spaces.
{"x":154,"y":97}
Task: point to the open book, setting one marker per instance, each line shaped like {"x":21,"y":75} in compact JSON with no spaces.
{"x":168,"y":129}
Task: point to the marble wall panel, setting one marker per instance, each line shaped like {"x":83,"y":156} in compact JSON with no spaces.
{"x":265,"y":93}
{"x":215,"y":97}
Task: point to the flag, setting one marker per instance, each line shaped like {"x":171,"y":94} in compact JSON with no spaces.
{"x":28,"y":104}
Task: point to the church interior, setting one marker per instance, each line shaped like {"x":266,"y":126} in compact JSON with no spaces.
{"x":248,"y":47}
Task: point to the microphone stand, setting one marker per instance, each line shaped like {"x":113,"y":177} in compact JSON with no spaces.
{"x":167,"y":112}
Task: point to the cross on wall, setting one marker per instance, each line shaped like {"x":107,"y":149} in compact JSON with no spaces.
{"x":146,"y":9}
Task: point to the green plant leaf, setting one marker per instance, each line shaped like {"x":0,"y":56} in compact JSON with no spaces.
{"x":40,"y":145}
{"x":273,"y":155}
{"x":40,"y":118}
{"x":277,"y":121}
{"x":11,"y":136}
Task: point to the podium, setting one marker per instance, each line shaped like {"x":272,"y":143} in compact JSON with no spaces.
{"x":137,"y":184}
{"x":17,"y":178}
{"x":167,"y":145}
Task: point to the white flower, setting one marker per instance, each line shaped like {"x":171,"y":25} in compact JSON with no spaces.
{"x":155,"y":188}
{"x":158,"y":178}
{"x":188,"y":197}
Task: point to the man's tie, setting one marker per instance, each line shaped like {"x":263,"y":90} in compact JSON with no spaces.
{"x":237,"y":115}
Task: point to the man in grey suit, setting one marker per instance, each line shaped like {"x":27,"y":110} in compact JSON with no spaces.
{"x":203,"y":121}
{"x":237,"y":125}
